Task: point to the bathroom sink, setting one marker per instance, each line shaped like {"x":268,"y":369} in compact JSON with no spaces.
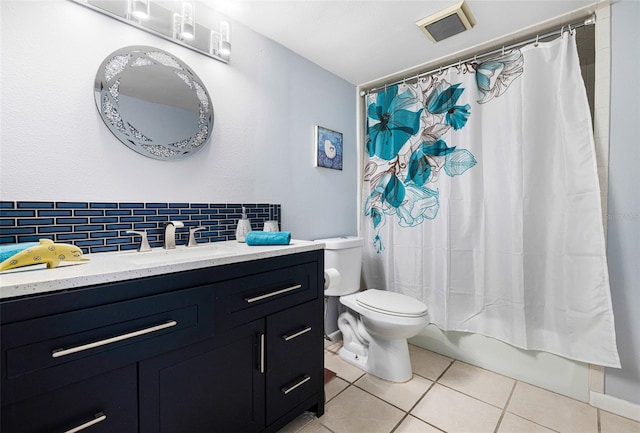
{"x":177,"y":255}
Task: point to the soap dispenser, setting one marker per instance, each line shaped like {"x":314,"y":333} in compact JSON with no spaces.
{"x":244,"y":226}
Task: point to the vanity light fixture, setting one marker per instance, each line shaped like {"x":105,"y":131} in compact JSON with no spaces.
{"x":174,"y":21}
{"x":140,"y":9}
{"x":447,"y":22}
{"x":187,"y":25}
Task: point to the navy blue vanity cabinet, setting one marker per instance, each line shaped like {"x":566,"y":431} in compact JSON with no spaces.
{"x":96,"y":405}
{"x":233,"y":348}
{"x":214,"y":385}
{"x":295,"y":372}
{"x":261,"y":369}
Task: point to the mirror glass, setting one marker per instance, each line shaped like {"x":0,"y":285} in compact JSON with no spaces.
{"x":153,"y":103}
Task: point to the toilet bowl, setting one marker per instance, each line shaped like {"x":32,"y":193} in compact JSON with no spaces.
{"x":375,"y":329}
{"x":376,"y":324}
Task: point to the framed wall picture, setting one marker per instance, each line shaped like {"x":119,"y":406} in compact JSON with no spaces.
{"x":328,"y":148}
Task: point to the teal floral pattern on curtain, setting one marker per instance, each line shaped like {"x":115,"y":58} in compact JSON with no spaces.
{"x":407,"y":129}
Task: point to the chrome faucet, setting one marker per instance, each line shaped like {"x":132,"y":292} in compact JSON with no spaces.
{"x":192,"y":236}
{"x":170,"y":234}
{"x":144,"y":241}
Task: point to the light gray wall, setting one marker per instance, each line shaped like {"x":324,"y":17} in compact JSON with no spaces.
{"x":623,"y":233}
{"x":54,"y":146}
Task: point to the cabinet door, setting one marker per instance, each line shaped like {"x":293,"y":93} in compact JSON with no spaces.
{"x":213,"y":386}
{"x":103,"y":404}
{"x":46,"y":353}
{"x":295,"y":359}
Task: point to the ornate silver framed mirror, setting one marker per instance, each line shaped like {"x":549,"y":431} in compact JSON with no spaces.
{"x":153,"y":103}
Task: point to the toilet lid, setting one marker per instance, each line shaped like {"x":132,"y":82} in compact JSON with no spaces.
{"x":392,"y":303}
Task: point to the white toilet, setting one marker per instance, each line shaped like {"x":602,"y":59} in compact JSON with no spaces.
{"x":377,"y":323}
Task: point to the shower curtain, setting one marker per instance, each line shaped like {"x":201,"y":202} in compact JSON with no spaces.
{"x":481,"y":198}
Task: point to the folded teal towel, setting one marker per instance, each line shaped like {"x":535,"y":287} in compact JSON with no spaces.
{"x":10,"y":250}
{"x":268,"y":238}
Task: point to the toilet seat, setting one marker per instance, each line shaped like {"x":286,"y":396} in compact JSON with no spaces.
{"x":391,"y":303}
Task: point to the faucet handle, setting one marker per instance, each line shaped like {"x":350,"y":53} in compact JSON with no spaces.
{"x":144,"y":243}
{"x":192,"y":236}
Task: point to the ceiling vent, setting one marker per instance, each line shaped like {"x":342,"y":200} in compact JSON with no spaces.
{"x":447,"y":22}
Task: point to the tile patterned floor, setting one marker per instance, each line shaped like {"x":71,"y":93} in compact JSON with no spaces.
{"x":448,"y":396}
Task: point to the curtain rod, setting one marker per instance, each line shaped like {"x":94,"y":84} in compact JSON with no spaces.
{"x":587,"y":22}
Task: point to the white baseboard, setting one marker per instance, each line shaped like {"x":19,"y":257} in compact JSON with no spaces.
{"x":615,"y":405}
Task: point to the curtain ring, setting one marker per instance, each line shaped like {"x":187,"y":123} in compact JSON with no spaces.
{"x":475,"y":58}
{"x":459,"y":64}
{"x":503,"y":50}
{"x":536,"y":44}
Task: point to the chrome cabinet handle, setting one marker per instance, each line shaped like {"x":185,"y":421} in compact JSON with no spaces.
{"x":293,"y":335}
{"x":261,"y":364}
{"x":99,"y":417}
{"x":287,"y":390}
{"x":63,"y":352}
{"x":270,"y":294}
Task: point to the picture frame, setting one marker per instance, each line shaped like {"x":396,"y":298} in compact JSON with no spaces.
{"x":329,"y":148}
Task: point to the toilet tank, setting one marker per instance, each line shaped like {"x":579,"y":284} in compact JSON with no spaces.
{"x":344,"y":254}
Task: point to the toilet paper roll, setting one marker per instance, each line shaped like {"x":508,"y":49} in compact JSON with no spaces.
{"x":331,"y":278}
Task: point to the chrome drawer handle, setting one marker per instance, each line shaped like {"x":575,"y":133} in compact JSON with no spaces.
{"x":292,"y":387}
{"x":99,"y":417}
{"x":261,"y":366}
{"x":270,"y":294}
{"x":296,"y":334}
{"x":63,"y":352}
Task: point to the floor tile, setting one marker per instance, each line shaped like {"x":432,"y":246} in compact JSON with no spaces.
{"x":552,"y":410}
{"x":455,"y":412}
{"x":299,"y":423}
{"x":342,"y":368}
{"x":413,"y":425}
{"x":355,"y":411}
{"x":402,"y":395}
{"x":314,"y":427}
{"x":428,"y":364}
{"x":514,"y":424}
{"x":610,"y":423}
{"x":334,"y":387}
{"x":482,"y":384}
{"x":332,"y":346}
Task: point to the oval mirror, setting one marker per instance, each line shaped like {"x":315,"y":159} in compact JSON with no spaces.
{"x":154,"y":103}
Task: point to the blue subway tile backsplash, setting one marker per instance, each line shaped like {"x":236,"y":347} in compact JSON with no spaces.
{"x":101,"y":226}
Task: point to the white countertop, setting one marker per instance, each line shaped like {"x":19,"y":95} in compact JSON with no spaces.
{"x":128,"y":265}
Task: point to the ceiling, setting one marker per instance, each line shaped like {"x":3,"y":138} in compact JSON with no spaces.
{"x":364,"y":41}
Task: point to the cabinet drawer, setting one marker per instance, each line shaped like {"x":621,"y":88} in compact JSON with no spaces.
{"x":294,"y":358}
{"x":77,"y":344}
{"x":249,"y":298}
{"x":95,"y":405}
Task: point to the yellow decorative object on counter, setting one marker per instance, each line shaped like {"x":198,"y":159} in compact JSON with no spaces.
{"x":46,"y":251}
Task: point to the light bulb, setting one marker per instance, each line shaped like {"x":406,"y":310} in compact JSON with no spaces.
{"x":140,"y":9}
{"x":188,"y":27}
{"x":225,"y":49}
